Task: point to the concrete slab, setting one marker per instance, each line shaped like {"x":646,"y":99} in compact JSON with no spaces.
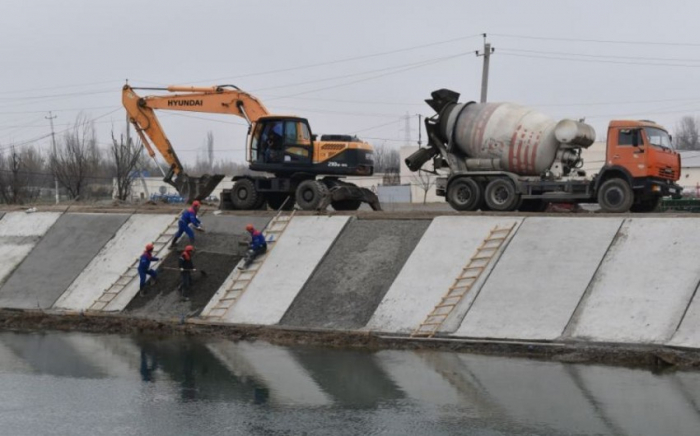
{"x":113,"y":260}
{"x":688,"y":333}
{"x":437,"y":260}
{"x":19,"y":233}
{"x":540,"y":279}
{"x":634,"y":402}
{"x":289,"y":265}
{"x":353,"y":278}
{"x":644,"y":285}
{"x":58,"y":259}
{"x":276,"y":366}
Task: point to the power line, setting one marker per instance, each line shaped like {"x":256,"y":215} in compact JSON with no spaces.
{"x":308,"y":82}
{"x":597,"y":41}
{"x":24,"y":91}
{"x":338,"y":61}
{"x":420,"y":65}
{"x":598,"y":56}
{"x":599,"y":61}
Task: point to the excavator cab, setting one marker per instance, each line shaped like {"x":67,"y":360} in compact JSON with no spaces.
{"x":280,"y":145}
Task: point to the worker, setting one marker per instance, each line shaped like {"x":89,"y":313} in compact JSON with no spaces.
{"x":145,"y":268}
{"x":258,"y":246}
{"x":186,"y":269}
{"x":188,"y":217}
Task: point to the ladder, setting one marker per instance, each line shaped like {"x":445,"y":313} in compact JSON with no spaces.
{"x":463,"y":283}
{"x":242,"y":278}
{"x":159,"y":247}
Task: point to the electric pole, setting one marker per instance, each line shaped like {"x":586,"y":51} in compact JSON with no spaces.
{"x":488,"y":50}
{"x":420,"y":142}
{"x":55,"y":155}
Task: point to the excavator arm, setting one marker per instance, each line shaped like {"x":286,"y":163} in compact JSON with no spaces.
{"x":226,"y":99}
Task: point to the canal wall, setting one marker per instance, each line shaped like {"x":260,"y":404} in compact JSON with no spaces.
{"x":611,"y":279}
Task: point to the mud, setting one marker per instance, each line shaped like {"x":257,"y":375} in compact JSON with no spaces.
{"x":655,"y":358}
{"x":357,"y":272}
{"x":162,"y":300}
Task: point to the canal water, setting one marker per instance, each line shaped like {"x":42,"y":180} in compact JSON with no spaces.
{"x":84,"y":384}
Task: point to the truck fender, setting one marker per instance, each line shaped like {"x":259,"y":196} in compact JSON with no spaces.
{"x":609,"y":172}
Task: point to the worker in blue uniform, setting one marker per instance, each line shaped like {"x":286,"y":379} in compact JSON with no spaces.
{"x":145,"y":269}
{"x":188,"y":217}
{"x":257,"y":246}
{"x":186,"y":269}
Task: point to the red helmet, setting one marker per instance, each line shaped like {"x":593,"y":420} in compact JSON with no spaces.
{"x":149,"y":247}
{"x":189,"y":248}
{"x":250,"y":228}
{"x":196,"y":204}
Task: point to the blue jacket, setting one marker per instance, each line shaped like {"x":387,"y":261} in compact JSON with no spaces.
{"x":145,"y":261}
{"x":258,"y":241}
{"x":190,"y":217}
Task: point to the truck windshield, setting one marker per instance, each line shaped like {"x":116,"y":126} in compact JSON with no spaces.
{"x":658,"y":137}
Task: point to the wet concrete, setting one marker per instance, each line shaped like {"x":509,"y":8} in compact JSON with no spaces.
{"x":352,"y":279}
{"x":162,"y":300}
{"x":224,"y":234}
{"x":61,"y":255}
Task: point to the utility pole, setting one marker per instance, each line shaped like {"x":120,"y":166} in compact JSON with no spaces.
{"x":488,"y":50}
{"x":420,"y":118}
{"x":55,"y":155}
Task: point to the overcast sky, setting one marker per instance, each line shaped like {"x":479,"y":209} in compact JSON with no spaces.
{"x":566,"y":58}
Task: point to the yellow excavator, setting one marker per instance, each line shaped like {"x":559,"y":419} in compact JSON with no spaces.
{"x":281,"y":146}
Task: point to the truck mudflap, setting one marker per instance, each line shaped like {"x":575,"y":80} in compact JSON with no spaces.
{"x":194,"y":188}
{"x":339,"y":191}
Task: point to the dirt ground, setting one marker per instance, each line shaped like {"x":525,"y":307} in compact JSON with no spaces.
{"x":162,"y":300}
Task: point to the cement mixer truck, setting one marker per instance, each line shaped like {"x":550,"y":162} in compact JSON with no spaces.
{"x":506,"y":157}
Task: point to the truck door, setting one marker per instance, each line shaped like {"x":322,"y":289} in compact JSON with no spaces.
{"x":627,"y":150}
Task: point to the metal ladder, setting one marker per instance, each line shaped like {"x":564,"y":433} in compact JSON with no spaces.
{"x":242,"y":279}
{"x":464,"y":282}
{"x":131,"y":273}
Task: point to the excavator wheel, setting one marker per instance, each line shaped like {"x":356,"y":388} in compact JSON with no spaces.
{"x":280,"y":201}
{"x":244,"y":196}
{"x":311,"y":194}
{"x":340,"y":205}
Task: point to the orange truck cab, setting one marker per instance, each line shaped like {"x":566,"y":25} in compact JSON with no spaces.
{"x":640,"y":167}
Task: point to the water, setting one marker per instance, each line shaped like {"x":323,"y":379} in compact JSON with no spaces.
{"x":82,"y":384}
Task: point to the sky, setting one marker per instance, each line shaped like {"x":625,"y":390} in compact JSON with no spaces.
{"x":357,"y":67}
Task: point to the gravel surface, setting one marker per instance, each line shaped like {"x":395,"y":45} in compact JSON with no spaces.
{"x":352,"y":279}
{"x":162,"y":300}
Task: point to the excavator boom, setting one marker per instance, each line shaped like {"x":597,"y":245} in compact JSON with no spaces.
{"x":226,"y":99}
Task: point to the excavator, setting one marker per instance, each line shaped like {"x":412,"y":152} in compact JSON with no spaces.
{"x":286,"y":157}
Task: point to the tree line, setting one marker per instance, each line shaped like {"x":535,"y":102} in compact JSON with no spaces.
{"x":86,"y":169}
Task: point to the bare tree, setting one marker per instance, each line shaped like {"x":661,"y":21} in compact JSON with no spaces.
{"x":386,"y":159}
{"x":16,"y":178}
{"x":76,"y":158}
{"x":124,"y":160}
{"x":210,"y":148}
{"x":425,"y":181}
{"x":688,"y":133}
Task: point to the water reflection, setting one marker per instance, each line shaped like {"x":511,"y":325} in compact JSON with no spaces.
{"x":192,"y":386}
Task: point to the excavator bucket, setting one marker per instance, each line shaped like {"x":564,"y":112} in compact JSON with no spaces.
{"x":343,"y":192}
{"x":195,"y":188}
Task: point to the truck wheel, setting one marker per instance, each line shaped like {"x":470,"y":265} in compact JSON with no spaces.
{"x":501,"y":196}
{"x":615,"y":196}
{"x":646,"y":205}
{"x":311,"y":194}
{"x":277,"y":200}
{"x":244,"y":196}
{"x":464,"y":194}
{"x":346,"y":204}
